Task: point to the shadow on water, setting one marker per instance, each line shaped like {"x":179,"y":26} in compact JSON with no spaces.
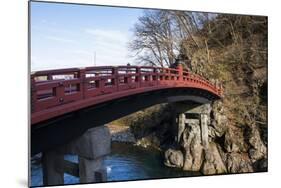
{"x":126,"y":162}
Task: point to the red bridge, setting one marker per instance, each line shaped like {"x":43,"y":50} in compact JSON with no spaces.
{"x":66,"y":102}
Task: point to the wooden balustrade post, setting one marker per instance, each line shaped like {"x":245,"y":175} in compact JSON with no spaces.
{"x":60,"y":92}
{"x":169,"y":74}
{"x":161,"y":74}
{"x":83,"y":84}
{"x":180,"y":72}
{"x":155,"y":75}
{"x":49,"y":77}
{"x":187,"y":75}
{"x":129,"y":77}
{"x":138,"y":78}
{"x":101,"y":84}
{"x":116,"y":78}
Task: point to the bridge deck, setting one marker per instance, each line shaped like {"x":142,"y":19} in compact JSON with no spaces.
{"x":56,"y":92}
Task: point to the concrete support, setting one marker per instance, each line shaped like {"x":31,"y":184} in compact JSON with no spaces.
{"x":202,"y":113}
{"x":192,"y":135}
{"x":181,"y":126}
{"x":188,"y":112}
{"x":204,"y":130}
{"x":52,"y":165}
{"x":91,"y":148}
{"x":94,"y":143}
{"x":91,"y":170}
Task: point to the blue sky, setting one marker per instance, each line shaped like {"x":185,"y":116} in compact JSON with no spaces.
{"x":66,"y":35}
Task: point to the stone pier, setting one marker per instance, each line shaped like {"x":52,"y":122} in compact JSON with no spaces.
{"x":193,"y":114}
{"x":196,"y":152}
{"x":181,"y":126}
{"x":91,"y":148}
{"x":191,"y":136}
{"x":204,"y":129}
{"x":52,"y":165}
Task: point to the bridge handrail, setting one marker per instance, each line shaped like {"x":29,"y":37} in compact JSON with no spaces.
{"x":51,"y":88}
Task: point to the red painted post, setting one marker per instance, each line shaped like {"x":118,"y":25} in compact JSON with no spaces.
{"x":155,"y":76}
{"x":139,"y":79}
{"x":101,"y":84}
{"x":129,"y":77}
{"x":60,"y":92}
{"x":180,"y":69}
{"x":49,"y":77}
{"x":83,"y":84}
{"x":116,"y":78}
{"x":169,"y":74}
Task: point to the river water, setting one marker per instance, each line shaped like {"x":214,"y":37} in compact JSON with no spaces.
{"x":126,"y":162}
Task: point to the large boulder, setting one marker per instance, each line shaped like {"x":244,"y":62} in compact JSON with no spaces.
{"x":173,"y":158}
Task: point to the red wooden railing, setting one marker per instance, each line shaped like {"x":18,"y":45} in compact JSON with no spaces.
{"x":53,"y":88}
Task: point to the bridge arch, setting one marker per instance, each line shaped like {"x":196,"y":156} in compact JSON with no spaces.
{"x":68,"y":114}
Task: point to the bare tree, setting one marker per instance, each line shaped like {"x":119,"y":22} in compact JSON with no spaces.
{"x":155,"y":42}
{"x":161,"y":35}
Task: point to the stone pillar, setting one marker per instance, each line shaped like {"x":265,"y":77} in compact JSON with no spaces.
{"x":203,"y":113}
{"x":204,"y":130}
{"x":91,"y":148}
{"x":52,"y":165}
{"x":192,"y":145}
{"x":192,"y":134}
{"x":181,"y":125}
{"x":91,"y":170}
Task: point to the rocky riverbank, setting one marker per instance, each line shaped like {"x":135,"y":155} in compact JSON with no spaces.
{"x":121,"y":133}
{"x":231,"y":149}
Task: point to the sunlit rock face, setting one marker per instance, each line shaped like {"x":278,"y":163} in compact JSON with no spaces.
{"x":230,"y":149}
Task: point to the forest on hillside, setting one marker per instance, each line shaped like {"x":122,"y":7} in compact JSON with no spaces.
{"x":231,"y":49}
{"x":227,"y":49}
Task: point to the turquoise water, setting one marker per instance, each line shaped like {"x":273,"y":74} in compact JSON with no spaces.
{"x":126,"y":162}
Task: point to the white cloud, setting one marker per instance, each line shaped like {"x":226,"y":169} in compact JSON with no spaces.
{"x":107,"y":35}
{"x":110,"y":46}
{"x":83,"y":52}
{"x":60,"y":39}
